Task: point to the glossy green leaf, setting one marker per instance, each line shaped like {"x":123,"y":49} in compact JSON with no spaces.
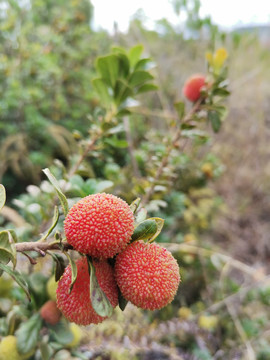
{"x":53,"y":225}
{"x":17,"y":277}
{"x":160,"y":224}
{"x":28,"y":334}
{"x":102,"y":89}
{"x":99,"y":300}
{"x":139,"y":77}
{"x":134,"y":54}
{"x":2,"y":196}
{"x":61,"y":196}
{"x":108,"y":67}
{"x":7,"y":248}
{"x":142,"y":64}
{"x":73,"y":271}
{"x":215,"y":120}
{"x":145,"y":230}
{"x":147,"y":87}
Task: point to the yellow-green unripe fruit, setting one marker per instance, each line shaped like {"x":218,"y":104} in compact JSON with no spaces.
{"x":8,"y":349}
{"x":77,"y":335}
{"x":51,"y":288}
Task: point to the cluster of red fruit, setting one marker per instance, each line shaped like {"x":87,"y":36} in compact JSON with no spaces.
{"x":146,"y":274}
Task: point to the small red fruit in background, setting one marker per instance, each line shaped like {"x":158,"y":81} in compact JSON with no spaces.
{"x":76,"y":306}
{"x":192,"y":87}
{"x":147,"y":275}
{"x":99,"y":225}
{"x":50,"y":313}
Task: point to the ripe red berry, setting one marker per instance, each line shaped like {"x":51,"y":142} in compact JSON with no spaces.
{"x":77,"y":306}
{"x":50,"y":312}
{"x":99,"y":225}
{"x":192,"y":87}
{"x":147,"y":275}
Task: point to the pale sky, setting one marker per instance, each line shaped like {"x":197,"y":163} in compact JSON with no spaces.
{"x":226,"y":13}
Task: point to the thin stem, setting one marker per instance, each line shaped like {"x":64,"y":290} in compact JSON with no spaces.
{"x":135,"y":167}
{"x":166,"y":157}
{"x":88,"y":148}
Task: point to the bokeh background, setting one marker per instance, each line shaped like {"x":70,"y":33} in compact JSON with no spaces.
{"x":220,"y":202}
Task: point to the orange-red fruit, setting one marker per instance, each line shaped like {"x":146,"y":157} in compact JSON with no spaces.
{"x":192,"y":87}
{"x":77,"y":306}
{"x":50,"y":312}
{"x":147,"y":275}
{"x":100,"y":225}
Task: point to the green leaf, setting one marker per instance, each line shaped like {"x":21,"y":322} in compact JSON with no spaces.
{"x":46,"y":351}
{"x":17,"y":277}
{"x":214,"y":118}
{"x":59,"y":265}
{"x":134,"y":205}
{"x":139,"y":77}
{"x":142,"y":64}
{"x":37,"y":287}
{"x":53,"y":225}
{"x":147,"y":87}
{"x":7,"y":248}
{"x":141,"y":215}
{"x":108,"y":67}
{"x":99,"y":300}
{"x":102,"y":89}
{"x":73,"y":271}
{"x":145,"y":230}
{"x":2,"y":196}
{"x":28,"y":334}
{"x":122,"y":301}
{"x":59,"y":192}
{"x":221,"y":92}
{"x":103,"y":185}
{"x":61,"y":332}
{"x":134,"y":54}
{"x":122,"y":91}
{"x":180,"y":108}
{"x":123,"y":65}
{"x":117,"y":143}
{"x":160,"y":223}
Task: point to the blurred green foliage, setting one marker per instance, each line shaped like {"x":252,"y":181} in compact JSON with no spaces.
{"x":47,"y":59}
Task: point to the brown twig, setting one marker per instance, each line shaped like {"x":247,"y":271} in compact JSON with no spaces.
{"x":41,"y":247}
{"x":90,"y":146}
{"x":166,"y":157}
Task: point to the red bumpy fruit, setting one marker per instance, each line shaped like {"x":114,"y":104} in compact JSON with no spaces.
{"x":99,"y":225}
{"x":147,"y":275}
{"x":77,"y":306}
{"x":192,"y":87}
{"x":50,"y":312}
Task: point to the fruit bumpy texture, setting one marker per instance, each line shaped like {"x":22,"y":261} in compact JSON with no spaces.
{"x":192,"y":87}
{"x":8,"y":349}
{"x":50,"y":312}
{"x":99,"y":225}
{"x":147,"y":275}
{"x":77,"y":306}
